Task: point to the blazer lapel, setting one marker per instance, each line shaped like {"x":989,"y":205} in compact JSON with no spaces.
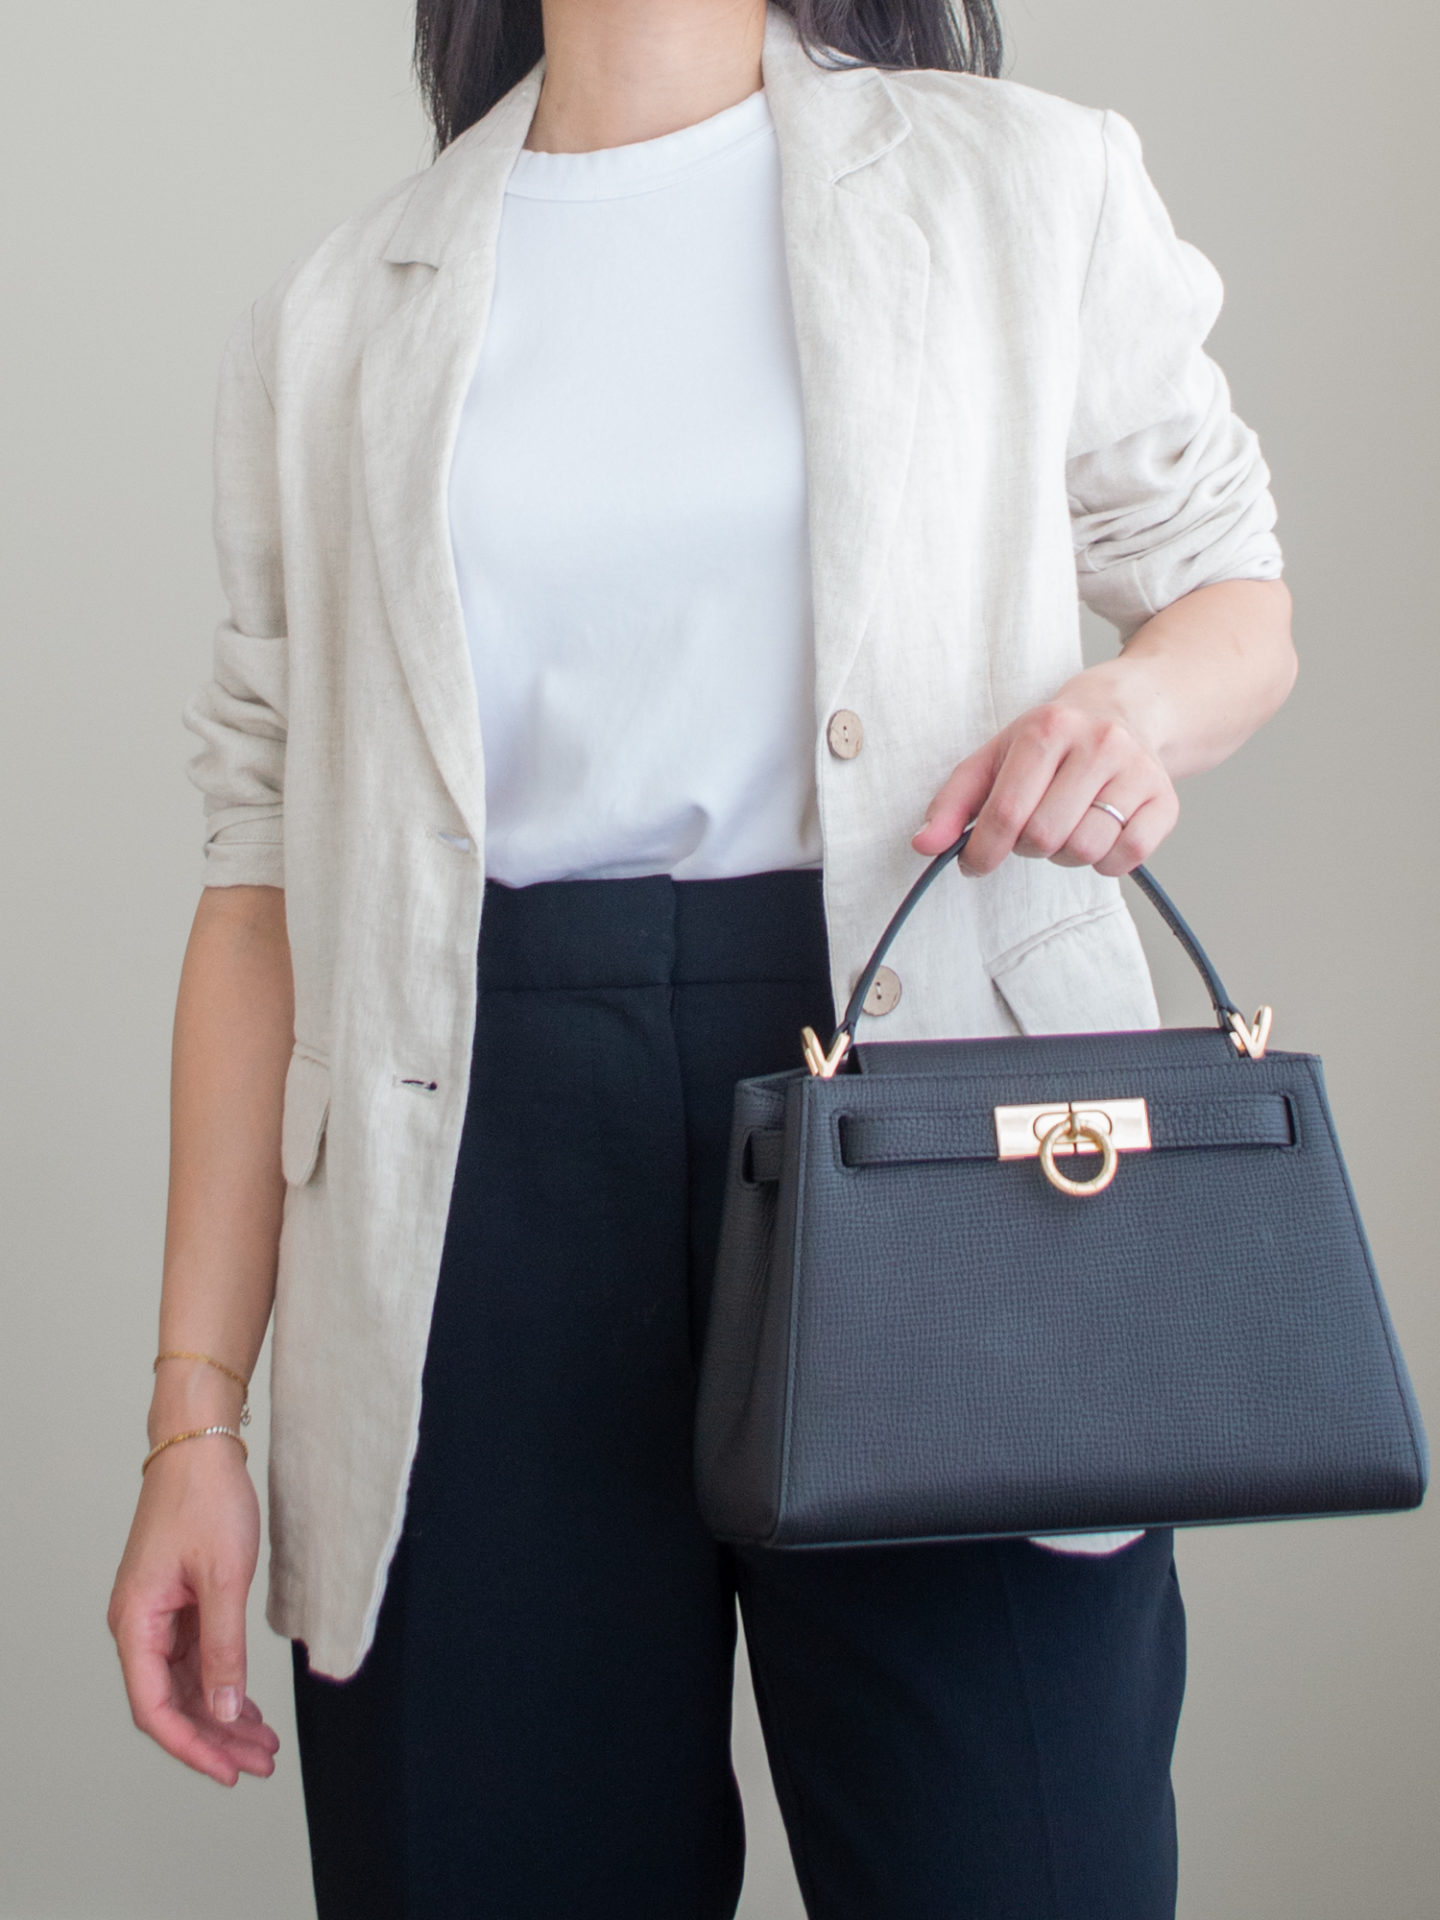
{"x":858,"y":271}
{"x":415,"y":370}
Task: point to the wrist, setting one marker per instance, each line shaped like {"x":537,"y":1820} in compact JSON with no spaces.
{"x":191,"y":1394}
{"x":1124,"y":691}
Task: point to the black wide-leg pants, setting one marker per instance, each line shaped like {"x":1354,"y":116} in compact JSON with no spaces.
{"x":540,"y":1730}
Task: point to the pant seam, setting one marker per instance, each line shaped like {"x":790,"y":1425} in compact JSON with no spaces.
{"x":1017,"y":1651}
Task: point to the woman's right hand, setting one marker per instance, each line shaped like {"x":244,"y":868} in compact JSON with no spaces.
{"x":177,"y":1610}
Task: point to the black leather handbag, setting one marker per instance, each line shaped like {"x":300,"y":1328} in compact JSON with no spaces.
{"x":1063,"y":1283}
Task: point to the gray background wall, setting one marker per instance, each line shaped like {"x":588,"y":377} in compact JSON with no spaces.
{"x":164,"y":161}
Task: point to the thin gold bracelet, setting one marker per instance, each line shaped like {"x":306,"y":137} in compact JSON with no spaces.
{"x":194,"y":1433}
{"x":174,"y":1353}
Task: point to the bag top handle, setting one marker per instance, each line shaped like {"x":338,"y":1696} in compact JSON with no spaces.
{"x":1249,"y":1039}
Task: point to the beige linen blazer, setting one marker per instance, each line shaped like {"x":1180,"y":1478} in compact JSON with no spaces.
{"x":1005,"y":395}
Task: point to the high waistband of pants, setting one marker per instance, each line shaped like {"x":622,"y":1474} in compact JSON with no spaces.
{"x":653,"y":930}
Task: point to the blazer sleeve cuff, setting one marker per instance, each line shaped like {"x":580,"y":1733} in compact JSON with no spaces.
{"x":245,"y":852}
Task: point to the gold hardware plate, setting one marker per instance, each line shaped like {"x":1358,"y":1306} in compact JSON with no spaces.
{"x":822,"y":1065}
{"x":1019,"y":1130}
{"x":1252,"y":1039}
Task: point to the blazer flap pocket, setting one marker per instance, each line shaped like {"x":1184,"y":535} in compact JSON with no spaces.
{"x":1082,"y":975}
{"x":302,"y":1126}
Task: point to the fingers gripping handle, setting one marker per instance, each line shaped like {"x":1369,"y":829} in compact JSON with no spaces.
{"x":1227,"y":1015}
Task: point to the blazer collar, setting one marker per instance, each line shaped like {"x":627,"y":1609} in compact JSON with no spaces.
{"x":827,"y":124}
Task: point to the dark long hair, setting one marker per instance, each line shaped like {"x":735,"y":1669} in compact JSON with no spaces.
{"x":470,"y":52}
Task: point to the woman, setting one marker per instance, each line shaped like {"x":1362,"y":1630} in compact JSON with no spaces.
{"x":633,"y":524}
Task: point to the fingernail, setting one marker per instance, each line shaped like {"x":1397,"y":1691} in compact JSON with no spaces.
{"x":225,"y":1703}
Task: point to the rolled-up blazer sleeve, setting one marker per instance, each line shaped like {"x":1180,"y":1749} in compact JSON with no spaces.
{"x":240,"y":712}
{"x":1168,"y":488}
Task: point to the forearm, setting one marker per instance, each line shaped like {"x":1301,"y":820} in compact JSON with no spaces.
{"x":234,"y":1023}
{"x":1197,"y":680}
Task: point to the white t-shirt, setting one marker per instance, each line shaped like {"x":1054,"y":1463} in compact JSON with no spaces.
{"x":628,"y":517}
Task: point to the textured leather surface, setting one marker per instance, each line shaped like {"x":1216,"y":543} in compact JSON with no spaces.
{"x":1204,"y":1047}
{"x":911,"y":1339}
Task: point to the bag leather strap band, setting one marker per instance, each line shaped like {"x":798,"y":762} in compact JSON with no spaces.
{"x":911,"y":1138}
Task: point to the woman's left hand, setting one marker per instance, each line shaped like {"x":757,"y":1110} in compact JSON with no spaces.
{"x":1032,"y":790}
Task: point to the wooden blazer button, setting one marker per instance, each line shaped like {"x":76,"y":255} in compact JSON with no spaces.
{"x":884,"y":994}
{"x":844,"y":733}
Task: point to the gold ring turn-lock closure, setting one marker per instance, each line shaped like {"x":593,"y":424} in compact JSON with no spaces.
{"x":1044,"y":1129}
{"x":1074,"y":1131}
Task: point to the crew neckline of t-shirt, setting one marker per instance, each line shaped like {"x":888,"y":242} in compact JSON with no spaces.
{"x":608,"y":173}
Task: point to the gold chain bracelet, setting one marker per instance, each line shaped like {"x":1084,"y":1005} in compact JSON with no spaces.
{"x":174,"y":1353}
{"x":195,"y":1433}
